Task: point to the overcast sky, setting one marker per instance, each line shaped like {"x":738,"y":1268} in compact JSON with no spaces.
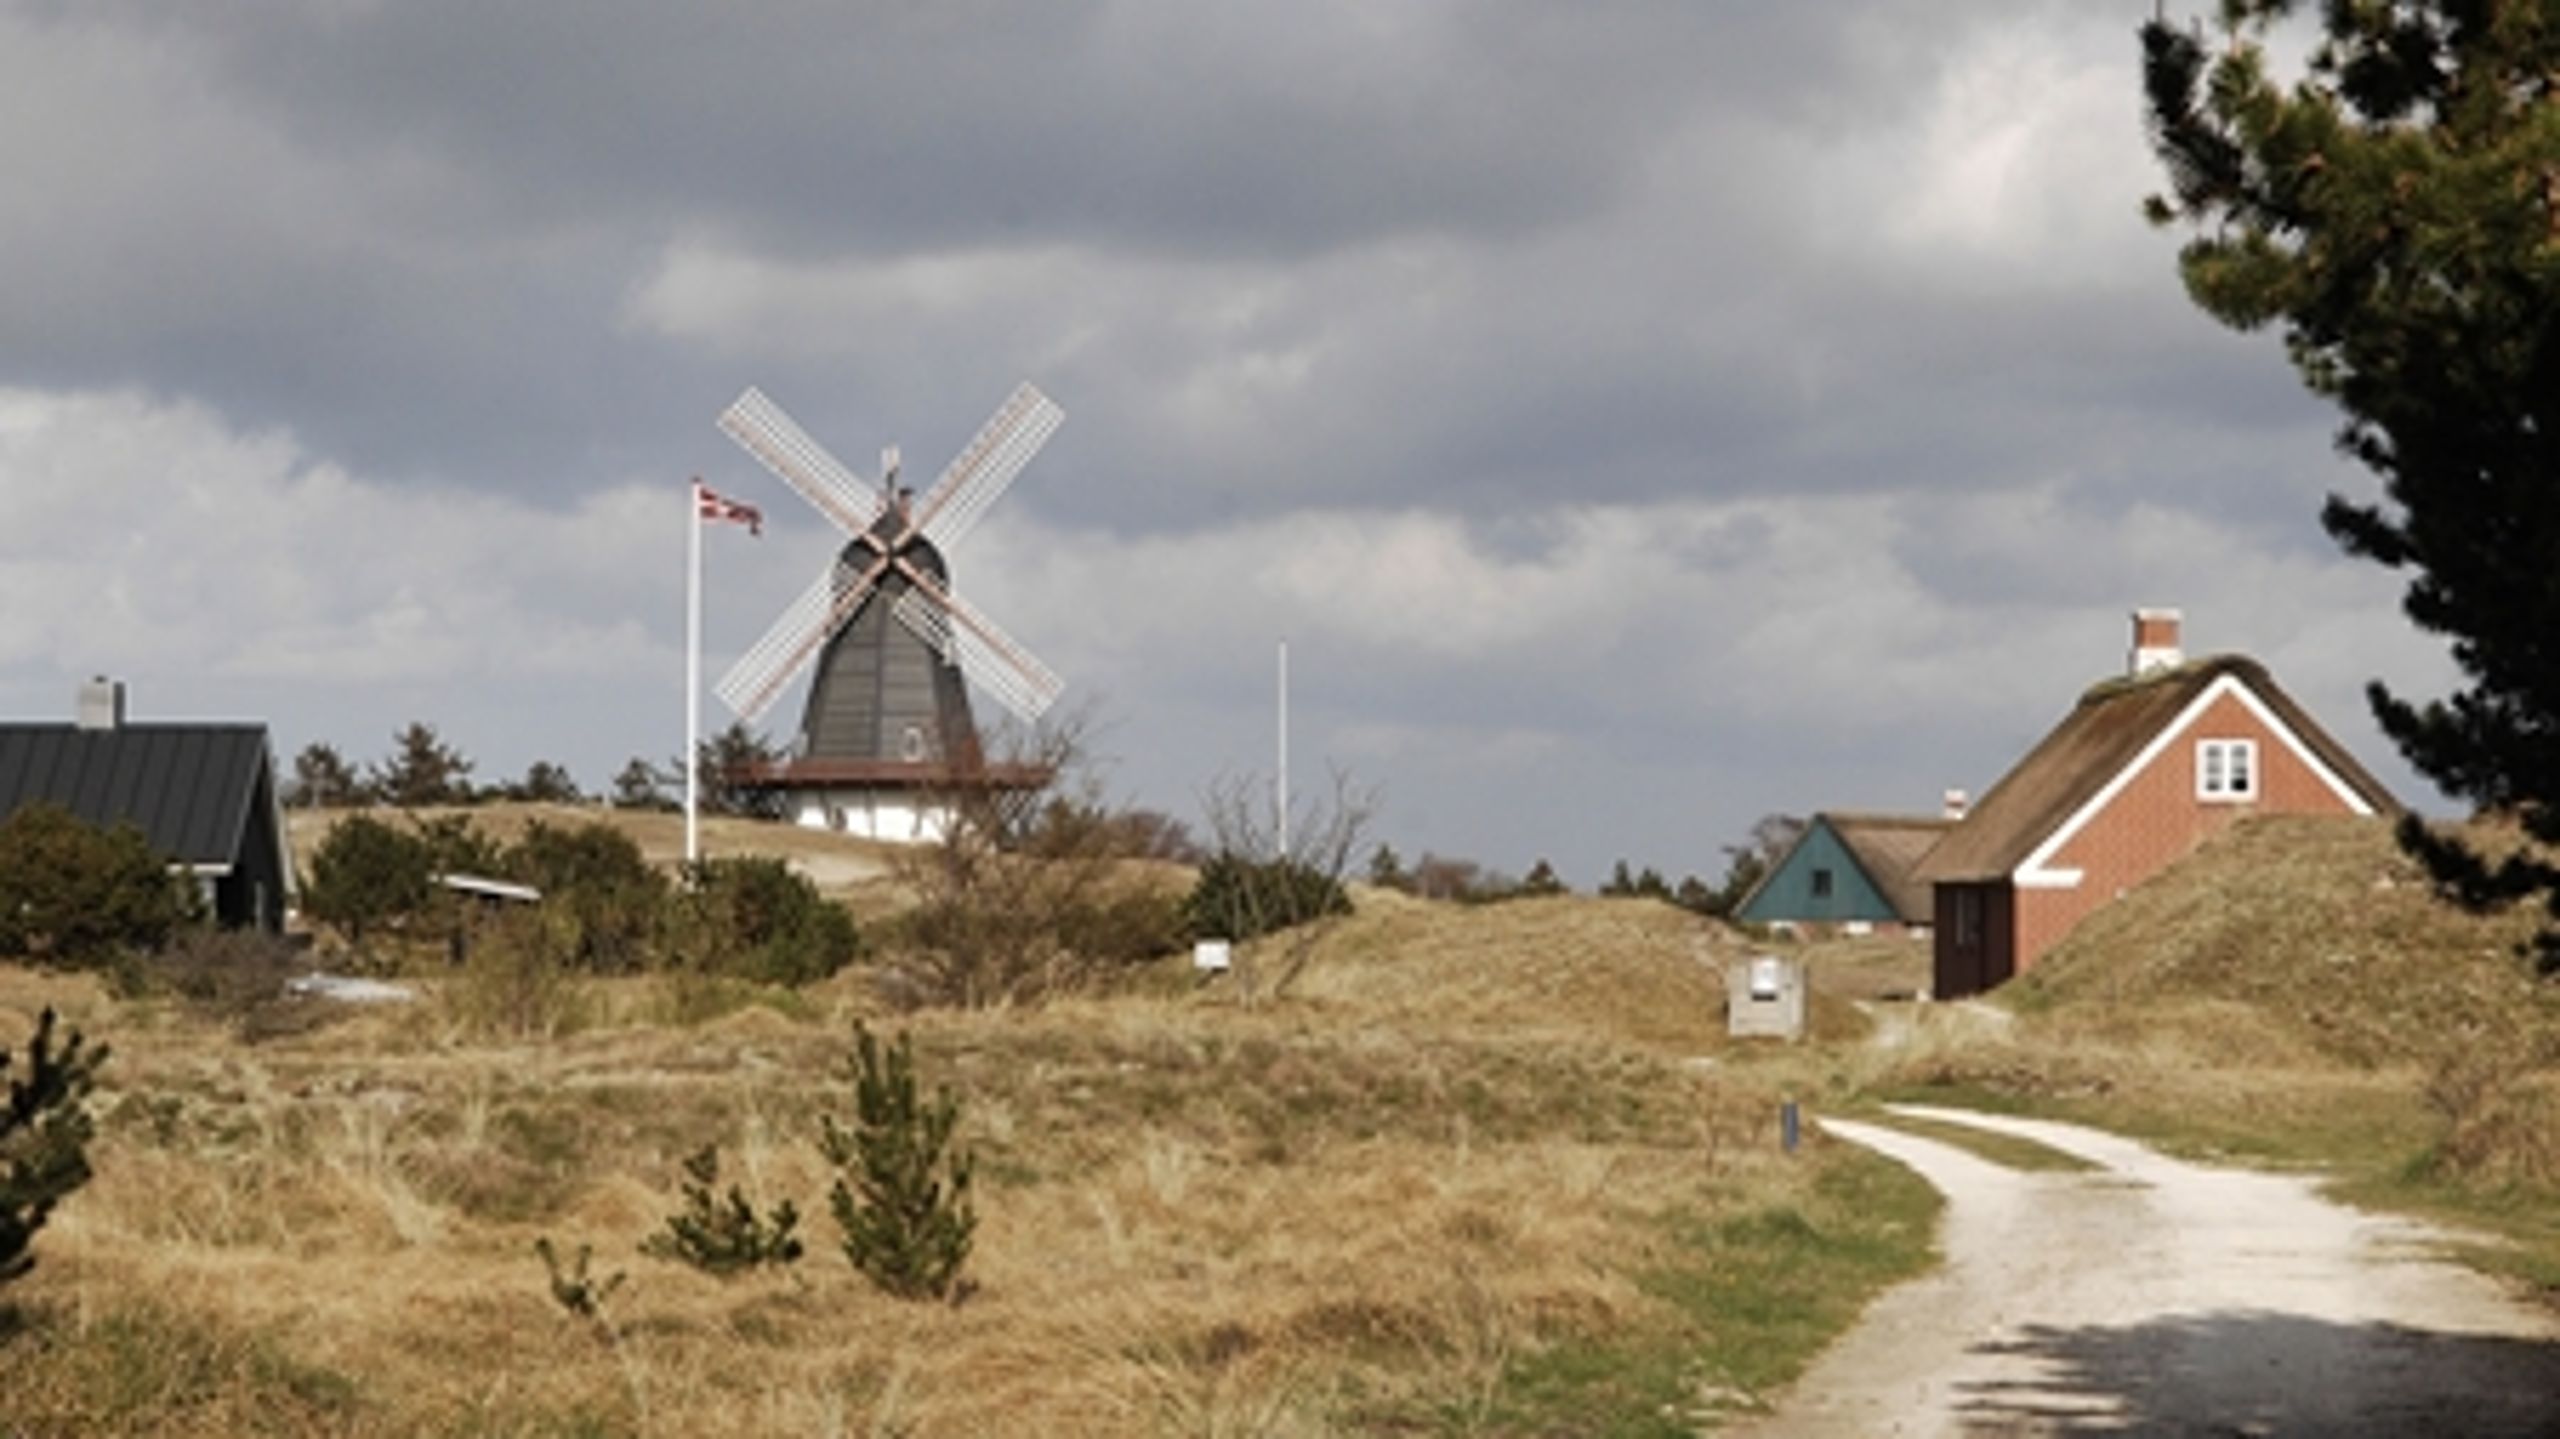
{"x":1639,"y":417}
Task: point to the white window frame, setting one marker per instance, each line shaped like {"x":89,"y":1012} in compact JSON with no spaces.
{"x":2217,"y":761}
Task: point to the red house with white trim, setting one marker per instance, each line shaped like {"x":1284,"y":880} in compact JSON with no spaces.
{"x":2142,"y":770}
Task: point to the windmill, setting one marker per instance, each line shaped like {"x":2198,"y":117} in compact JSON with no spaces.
{"x":886,"y":736}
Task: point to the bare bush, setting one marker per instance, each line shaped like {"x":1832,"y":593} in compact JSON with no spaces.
{"x":1028,"y":891}
{"x":1286,"y":893}
{"x":237,"y":977}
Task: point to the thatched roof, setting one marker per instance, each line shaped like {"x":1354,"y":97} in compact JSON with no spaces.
{"x":2101,"y":735}
{"x":1889,"y":848}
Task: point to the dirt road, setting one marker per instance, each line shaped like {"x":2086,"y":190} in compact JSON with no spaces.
{"x":2151,"y":1296}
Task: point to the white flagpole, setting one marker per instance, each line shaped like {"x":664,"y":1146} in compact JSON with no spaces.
{"x":692,"y":672}
{"x":1280,"y":785}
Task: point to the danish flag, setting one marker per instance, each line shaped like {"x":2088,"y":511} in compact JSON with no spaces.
{"x":712,"y":506}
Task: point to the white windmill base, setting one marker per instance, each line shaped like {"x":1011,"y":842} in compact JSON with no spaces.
{"x":897,"y":803}
{"x":891,"y":816}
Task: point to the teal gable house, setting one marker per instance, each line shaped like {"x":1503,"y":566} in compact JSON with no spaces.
{"x":1849,"y":873}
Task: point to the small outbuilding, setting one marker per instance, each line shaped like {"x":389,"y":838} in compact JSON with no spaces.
{"x":1848,"y":873}
{"x":2142,"y":770}
{"x":203,"y":795}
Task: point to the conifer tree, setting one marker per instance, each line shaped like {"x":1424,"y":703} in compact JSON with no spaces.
{"x":723,"y":763}
{"x":640,"y":785}
{"x":365,"y":874}
{"x":322,"y":779}
{"x":423,"y":769}
{"x":1386,"y":869}
{"x":2397,"y":214}
{"x":44,"y":1137}
{"x":903,"y":1200}
{"x":723,"y":1236}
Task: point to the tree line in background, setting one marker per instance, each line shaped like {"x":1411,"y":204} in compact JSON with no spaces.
{"x":1464,"y":881}
{"x":423,"y":770}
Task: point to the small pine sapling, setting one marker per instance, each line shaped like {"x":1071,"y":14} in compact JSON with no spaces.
{"x":576,"y":1289}
{"x":720,"y":1236}
{"x":902,"y":1195}
{"x":44,"y":1136}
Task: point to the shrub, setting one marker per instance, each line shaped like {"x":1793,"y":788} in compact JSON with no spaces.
{"x":1239,"y":898}
{"x":517,"y":981}
{"x":720,"y":1236}
{"x":77,"y":894}
{"x":456,"y":846}
{"x":613,"y":902}
{"x":1128,"y":924}
{"x":757,"y":918}
{"x":44,"y":1137}
{"x":994,"y":926}
{"x":237,"y":977}
{"x":366,"y":875}
{"x":905,"y":1211}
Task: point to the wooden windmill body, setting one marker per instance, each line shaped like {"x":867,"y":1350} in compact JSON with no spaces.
{"x":887,"y":742}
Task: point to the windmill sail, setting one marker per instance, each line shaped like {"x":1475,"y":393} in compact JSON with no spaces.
{"x":760,"y":427}
{"x":986,"y":469}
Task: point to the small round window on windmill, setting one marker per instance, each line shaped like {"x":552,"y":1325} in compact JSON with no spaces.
{"x":911,"y":744}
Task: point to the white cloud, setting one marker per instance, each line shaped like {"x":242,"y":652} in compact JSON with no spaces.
{"x":2021,"y":164}
{"x":151,"y":537}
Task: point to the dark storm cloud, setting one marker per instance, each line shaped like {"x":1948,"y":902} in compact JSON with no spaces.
{"x":408,"y":229}
{"x":1163,"y":127}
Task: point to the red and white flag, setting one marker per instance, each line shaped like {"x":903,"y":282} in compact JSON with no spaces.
{"x":713,"y":506}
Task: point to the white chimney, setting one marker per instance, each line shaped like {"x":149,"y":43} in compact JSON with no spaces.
{"x":1952,"y":805}
{"x":102,"y":704}
{"x":2155,"y":642}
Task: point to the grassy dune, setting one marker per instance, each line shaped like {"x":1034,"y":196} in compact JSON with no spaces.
{"x":1483,"y":1171}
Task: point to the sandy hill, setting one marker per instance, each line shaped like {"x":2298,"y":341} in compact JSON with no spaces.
{"x":1636,"y":971}
{"x":2321,"y":926}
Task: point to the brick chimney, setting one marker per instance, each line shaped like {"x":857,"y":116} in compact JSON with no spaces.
{"x":2155,"y":642}
{"x":1952,"y":805}
{"x":101,"y":704}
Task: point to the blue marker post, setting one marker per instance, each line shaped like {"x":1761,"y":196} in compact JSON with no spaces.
{"x":1790,"y":1126}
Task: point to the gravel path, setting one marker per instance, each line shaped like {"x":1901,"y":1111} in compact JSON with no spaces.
{"x":2157,"y":1297}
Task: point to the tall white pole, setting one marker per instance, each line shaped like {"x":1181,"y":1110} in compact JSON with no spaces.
{"x":692,"y":671}
{"x":1280,"y":785}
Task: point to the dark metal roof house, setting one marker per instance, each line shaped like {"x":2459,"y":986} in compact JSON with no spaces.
{"x":203,"y":795}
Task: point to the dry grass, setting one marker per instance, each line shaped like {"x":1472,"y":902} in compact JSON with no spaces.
{"x":2323,"y":927}
{"x":1473,"y":1141}
{"x":1638,"y":970}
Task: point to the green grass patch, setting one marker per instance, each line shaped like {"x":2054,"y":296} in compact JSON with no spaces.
{"x":1744,"y":1304}
{"x":2007,"y":1150}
